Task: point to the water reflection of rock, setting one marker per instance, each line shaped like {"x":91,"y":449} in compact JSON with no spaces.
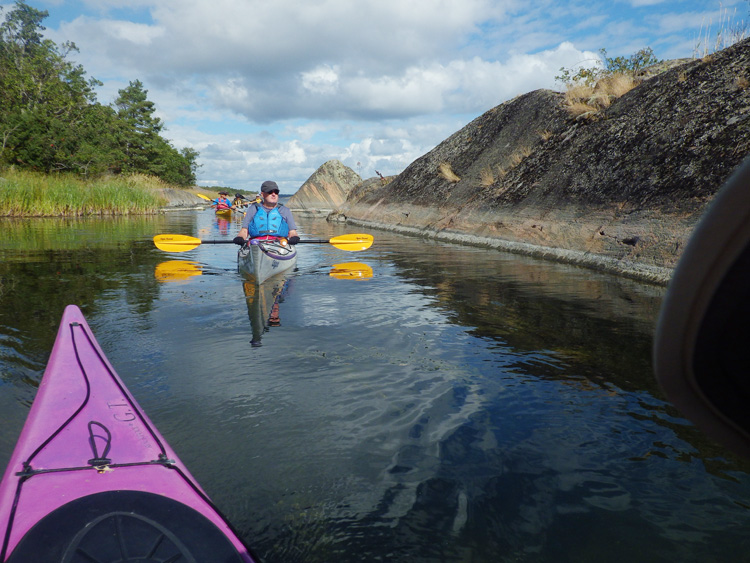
{"x":263,"y":304}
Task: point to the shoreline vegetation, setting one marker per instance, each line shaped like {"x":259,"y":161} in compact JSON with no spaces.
{"x":62,"y":153}
{"x":25,"y":193}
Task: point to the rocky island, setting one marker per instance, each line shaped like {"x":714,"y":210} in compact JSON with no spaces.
{"x":618,"y":189}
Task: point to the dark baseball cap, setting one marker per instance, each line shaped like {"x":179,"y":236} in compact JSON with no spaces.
{"x":268,"y":186}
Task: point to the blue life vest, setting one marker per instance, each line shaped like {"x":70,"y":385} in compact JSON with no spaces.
{"x":267,"y":223}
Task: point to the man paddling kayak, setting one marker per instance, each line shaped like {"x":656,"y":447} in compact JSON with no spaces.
{"x":269,"y":218}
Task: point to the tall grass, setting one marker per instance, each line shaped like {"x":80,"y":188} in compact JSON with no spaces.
{"x":729,"y":32}
{"x":486,"y":176}
{"x":25,"y":193}
{"x":446,"y":171}
{"x":588,"y":101}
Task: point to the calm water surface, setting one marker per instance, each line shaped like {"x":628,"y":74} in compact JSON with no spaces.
{"x":458,"y":405}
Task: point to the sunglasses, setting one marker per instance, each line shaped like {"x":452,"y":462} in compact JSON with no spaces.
{"x":273,"y":192}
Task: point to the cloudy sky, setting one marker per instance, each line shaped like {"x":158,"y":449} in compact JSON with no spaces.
{"x":273,"y":89}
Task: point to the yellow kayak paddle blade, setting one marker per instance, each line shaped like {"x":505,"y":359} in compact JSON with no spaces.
{"x":176,"y":243}
{"x":353,"y":242}
{"x":351,"y":271}
{"x":177,"y":270}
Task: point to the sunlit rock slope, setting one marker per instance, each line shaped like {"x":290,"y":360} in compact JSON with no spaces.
{"x":620,"y":192}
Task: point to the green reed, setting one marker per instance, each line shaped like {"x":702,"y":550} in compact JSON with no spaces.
{"x":31,"y":194}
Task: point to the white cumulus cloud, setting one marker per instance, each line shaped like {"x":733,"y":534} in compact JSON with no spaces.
{"x":274,"y":89}
{"x":321,"y":80}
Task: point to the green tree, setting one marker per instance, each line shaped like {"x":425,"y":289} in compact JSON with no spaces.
{"x":177,"y":167}
{"x":191,"y":160}
{"x":97,"y":148}
{"x":50,"y":119}
{"x":141,"y":141}
{"x":23,"y":26}
{"x":40,"y":90}
{"x":145,"y":149}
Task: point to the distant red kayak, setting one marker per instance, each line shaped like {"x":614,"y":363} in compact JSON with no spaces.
{"x":92,"y":480}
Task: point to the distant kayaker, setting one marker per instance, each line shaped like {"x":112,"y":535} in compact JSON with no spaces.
{"x":222,"y":202}
{"x":269,"y":218}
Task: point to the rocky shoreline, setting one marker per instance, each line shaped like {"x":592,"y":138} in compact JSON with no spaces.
{"x":620,"y":192}
{"x":624,"y":268}
{"x":181,"y":199}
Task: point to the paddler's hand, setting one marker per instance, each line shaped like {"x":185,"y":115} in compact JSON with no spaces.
{"x":238,"y":240}
{"x":293,"y":240}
